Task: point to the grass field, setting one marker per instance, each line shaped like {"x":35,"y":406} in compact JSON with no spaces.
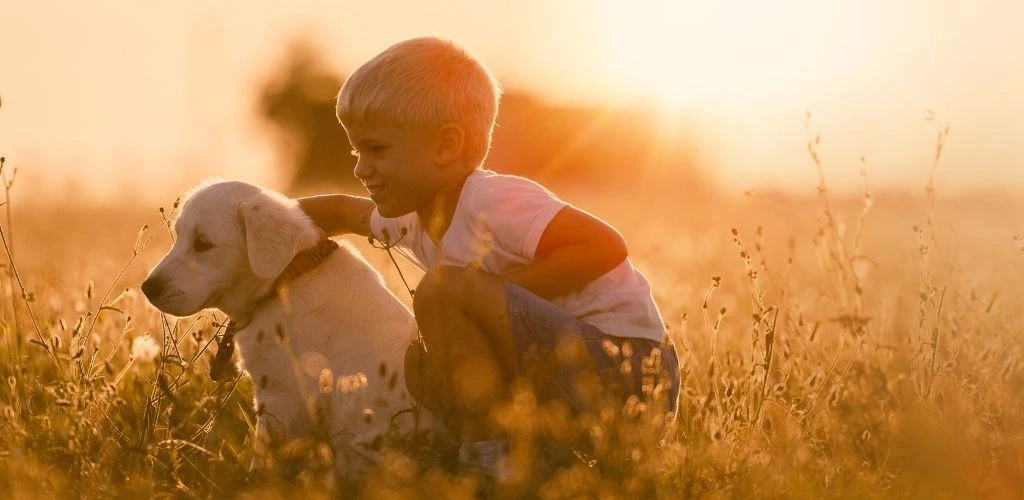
{"x":860,"y":347}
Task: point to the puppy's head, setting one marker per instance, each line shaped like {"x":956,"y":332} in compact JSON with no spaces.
{"x":233,"y":240}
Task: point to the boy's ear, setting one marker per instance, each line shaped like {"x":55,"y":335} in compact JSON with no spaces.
{"x":449,"y":144}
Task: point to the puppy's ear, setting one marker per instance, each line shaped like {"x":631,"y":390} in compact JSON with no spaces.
{"x":275,"y":230}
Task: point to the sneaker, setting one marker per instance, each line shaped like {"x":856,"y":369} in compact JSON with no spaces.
{"x":484,"y":457}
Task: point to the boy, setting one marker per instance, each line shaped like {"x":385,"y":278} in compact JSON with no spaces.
{"x":519,"y":285}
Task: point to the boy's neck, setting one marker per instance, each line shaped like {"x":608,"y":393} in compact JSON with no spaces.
{"x":437,"y":215}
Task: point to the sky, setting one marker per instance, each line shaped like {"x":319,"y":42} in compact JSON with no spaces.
{"x":123,"y":98}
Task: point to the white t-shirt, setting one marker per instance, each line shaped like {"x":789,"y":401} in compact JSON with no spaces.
{"x":497,"y":224}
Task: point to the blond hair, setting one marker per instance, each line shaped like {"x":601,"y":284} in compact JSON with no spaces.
{"x":425,"y":83}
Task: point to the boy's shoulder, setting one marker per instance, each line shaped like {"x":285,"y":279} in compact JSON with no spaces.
{"x":488,"y":183}
{"x":496,"y":198}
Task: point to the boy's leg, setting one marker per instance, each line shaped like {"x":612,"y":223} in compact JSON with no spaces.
{"x":467,"y":318}
{"x":463,"y":317}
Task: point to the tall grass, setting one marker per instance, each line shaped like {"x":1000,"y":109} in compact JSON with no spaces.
{"x":872,"y":354}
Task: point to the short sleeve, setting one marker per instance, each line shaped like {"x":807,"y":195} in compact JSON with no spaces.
{"x":516,"y":211}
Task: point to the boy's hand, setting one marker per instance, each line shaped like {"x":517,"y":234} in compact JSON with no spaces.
{"x":339,"y":214}
{"x":575,"y":249}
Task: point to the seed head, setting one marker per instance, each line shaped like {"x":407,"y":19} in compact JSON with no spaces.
{"x":610,"y":348}
{"x":326,"y":377}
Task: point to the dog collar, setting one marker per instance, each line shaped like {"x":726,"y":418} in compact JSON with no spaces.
{"x":303,"y":262}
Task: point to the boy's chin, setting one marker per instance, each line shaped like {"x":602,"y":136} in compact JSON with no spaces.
{"x":390,"y":211}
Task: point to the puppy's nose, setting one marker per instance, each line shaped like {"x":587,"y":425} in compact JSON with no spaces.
{"x":153,"y":288}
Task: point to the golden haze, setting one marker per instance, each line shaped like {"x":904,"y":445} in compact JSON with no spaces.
{"x":125,"y":99}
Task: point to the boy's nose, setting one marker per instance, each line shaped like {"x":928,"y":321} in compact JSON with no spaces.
{"x":363,"y":169}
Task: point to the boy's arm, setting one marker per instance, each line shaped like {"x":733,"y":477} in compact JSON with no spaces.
{"x":339,"y":214}
{"x":575,"y":249}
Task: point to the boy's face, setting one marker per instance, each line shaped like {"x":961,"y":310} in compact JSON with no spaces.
{"x":396,"y":165}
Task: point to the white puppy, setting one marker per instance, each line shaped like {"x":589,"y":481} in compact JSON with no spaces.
{"x":309,"y":323}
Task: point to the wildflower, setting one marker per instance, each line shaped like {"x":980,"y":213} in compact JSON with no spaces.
{"x":144,"y":348}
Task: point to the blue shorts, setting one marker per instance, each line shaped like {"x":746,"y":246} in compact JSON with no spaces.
{"x":547,"y":342}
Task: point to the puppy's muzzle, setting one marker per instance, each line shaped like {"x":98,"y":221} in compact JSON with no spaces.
{"x":153,"y":288}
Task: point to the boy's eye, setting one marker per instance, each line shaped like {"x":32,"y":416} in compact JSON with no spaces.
{"x":200,"y":244}
{"x":373,"y":150}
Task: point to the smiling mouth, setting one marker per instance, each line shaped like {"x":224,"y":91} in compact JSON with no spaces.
{"x":375,"y":189}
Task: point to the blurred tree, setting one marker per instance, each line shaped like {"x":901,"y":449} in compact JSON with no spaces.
{"x":299,"y":104}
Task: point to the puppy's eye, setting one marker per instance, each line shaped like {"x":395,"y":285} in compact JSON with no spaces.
{"x":200,"y":244}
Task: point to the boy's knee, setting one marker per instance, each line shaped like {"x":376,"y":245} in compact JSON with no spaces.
{"x":442,"y":284}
